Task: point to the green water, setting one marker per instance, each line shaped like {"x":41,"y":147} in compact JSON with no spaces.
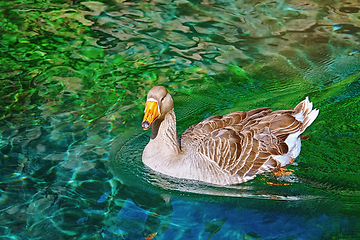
{"x":73,"y":81}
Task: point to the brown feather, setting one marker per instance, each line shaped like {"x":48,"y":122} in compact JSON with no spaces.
{"x":242,"y":142}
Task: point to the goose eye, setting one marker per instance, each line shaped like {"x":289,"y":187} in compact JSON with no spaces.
{"x":162,"y":99}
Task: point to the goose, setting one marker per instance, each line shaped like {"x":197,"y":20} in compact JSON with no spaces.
{"x":223,"y":150}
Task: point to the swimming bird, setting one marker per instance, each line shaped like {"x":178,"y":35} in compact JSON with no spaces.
{"x":223,"y":150}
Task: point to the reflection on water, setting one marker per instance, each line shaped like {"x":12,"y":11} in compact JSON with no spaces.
{"x":74,"y":75}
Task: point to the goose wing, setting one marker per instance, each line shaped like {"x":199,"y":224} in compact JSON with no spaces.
{"x":243,"y":143}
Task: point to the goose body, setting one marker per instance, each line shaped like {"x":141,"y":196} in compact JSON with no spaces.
{"x":223,"y":150}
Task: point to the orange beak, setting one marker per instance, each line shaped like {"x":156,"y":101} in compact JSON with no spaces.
{"x":151,"y":113}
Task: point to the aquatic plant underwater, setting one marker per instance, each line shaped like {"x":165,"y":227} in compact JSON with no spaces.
{"x":74,"y":77}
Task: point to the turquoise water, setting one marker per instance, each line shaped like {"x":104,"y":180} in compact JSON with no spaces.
{"x":74,"y":76}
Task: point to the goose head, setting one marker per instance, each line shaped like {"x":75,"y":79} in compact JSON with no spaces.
{"x":158,"y":103}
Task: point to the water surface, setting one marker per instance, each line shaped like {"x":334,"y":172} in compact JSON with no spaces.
{"x":74,"y":76}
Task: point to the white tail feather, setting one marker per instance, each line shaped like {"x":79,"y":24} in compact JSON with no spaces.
{"x":306,"y":115}
{"x":309,"y":119}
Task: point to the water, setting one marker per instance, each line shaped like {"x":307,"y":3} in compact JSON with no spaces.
{"x":74,"y":76}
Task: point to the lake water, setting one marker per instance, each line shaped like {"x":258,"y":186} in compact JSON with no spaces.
{"x":74,"y":77}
